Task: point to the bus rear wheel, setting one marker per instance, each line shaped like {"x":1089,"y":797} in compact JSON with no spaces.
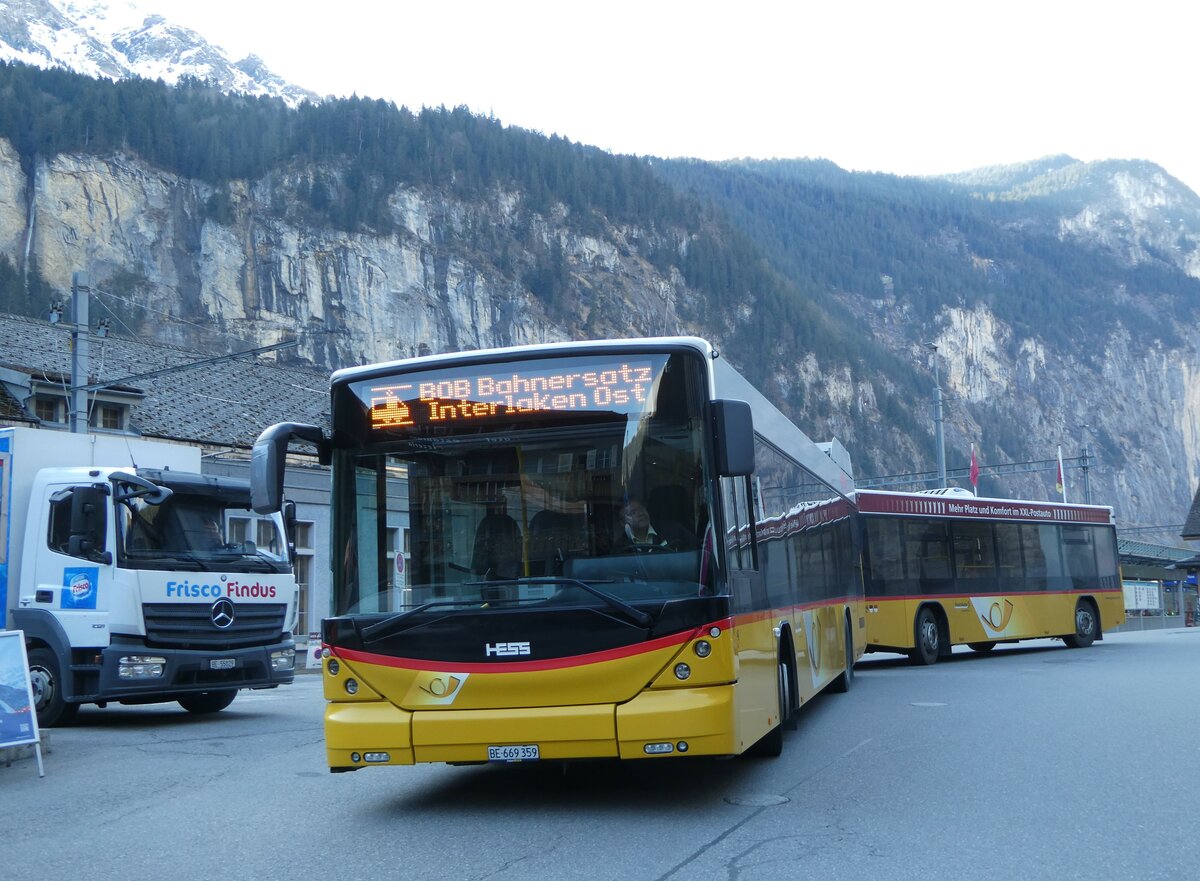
{"x":928,"y":638}
{"x":208,"y":701}
{"x":845,"y":679}
{"x":1086,"y":626}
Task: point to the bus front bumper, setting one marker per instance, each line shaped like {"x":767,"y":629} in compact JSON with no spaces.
{"x":691,"y":721}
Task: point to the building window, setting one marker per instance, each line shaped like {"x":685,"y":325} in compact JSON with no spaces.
{"x":302,"y":538}
{"x":48,"y":409}
{"x":108,"y":416}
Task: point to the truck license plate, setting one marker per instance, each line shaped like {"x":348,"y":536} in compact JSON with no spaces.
{"x":222,"y":664}
{"x":527,"y":752}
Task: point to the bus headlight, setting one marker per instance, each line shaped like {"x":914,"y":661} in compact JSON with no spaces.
{"x":682,"y":671}
{"x":703,"y":648}
{"x":351,"y":686}
{"x":333,"y":667}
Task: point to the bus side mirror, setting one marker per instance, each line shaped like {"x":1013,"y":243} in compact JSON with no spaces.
{"x":267,"y":460}
{"x":733,"y":438}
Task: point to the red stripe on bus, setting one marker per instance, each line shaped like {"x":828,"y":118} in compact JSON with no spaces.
{"x":998,"y":593}
{"x":627,"y":651}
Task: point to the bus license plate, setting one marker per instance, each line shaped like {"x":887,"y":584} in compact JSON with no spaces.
{"x":527,"y":752}
{"x":222,"y":663}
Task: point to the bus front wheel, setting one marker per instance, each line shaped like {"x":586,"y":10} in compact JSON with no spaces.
{"x":981,"y":646}
{"x":928,"y":638}
{"x":1086,"y":626}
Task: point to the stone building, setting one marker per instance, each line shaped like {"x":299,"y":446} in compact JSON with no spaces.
{"x":158,"y":392}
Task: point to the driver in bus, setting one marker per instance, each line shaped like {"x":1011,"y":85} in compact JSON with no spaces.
{"x":639,"y":532}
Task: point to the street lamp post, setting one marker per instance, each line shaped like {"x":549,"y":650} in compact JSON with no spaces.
{"x":937,"y":417}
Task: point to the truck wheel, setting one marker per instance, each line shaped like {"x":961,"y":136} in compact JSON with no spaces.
{"x":208,"y":701}
{"x":48,"y":701}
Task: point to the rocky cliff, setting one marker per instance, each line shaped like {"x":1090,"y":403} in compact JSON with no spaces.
{"x":163,"y":262}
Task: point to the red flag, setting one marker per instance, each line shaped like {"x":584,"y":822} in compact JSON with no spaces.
{"x":974,"y":470}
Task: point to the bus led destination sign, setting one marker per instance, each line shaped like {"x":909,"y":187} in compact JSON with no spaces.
{"x":463,"y":396}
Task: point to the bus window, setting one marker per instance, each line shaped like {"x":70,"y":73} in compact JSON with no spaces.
{"x":1008,"y":557}
{"x":885,"y":561}
{"x":739,"y":528}
{"x":1043,"y":555}
{"x":1079,"y":557}
{"x":927,"y":550}
{"x":974,"y":552}
{"x":1106,"y":558}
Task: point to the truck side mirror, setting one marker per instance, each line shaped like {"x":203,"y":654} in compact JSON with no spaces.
{"x":733,"y":438}
{"x":88,"y":523}
{"x":267,"y":461}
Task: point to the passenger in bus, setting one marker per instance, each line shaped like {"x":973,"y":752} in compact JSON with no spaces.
{"x":497,"y":549}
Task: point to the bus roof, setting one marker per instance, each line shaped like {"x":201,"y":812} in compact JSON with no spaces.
{"x":516,"y":353}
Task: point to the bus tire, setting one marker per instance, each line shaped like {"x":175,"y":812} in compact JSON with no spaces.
{"x":770,"y":745}
{"x":1087,"y":623}
{"x":49,"y":703}
{"x":981,"y":646}
{"x":927,"y":638}
{"x":841,"y":684}
{"x":208,"y":701}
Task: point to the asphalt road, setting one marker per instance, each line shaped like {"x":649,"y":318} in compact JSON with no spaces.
{"x":1035,"y":761}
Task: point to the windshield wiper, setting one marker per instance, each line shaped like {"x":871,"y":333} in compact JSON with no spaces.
{"x":388,"y":626}
{"x":642,"y":619}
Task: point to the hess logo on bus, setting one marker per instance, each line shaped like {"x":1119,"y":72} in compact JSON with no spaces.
{"x":505,"y":649}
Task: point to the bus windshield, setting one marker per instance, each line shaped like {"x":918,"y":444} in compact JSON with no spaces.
{"x":573,"y":480}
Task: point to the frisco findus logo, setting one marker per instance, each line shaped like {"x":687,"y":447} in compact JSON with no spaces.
{"x":505,"y":649}
{"x":229,"y":589}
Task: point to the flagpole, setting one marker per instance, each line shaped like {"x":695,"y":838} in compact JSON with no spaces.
{"x":1062,"y":482}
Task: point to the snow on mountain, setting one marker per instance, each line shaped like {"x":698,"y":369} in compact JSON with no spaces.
{"x":119,"y":40}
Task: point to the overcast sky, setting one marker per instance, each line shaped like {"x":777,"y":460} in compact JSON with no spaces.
{"x":916,"y":87}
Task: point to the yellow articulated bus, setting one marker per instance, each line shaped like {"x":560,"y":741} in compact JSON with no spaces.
{"x":571,"y":551}
{"x":944,"y":568}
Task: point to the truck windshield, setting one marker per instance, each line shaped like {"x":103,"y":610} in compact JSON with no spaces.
{"x":600,"y":506}
{"x":200,"y":532}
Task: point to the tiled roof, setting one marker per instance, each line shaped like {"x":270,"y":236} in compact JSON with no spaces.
{"x":224,"y":404}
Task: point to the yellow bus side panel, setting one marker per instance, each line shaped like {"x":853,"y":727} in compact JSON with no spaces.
{"x":367,"y":727}
{"x":989,"y":618}
{"x":756,"y":705}
{"x":702,"y":717}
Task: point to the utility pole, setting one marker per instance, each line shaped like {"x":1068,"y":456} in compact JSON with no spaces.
{"x":1085,"y":462}
{"x":937,"y":417}
{"x":80,"y":351}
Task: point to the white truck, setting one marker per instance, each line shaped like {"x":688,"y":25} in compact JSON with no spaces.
{"x":135,"y":578}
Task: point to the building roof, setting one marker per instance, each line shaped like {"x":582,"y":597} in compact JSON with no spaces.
{"x":224,"y":404}
{"x":1147,"y":554}
{"x":1191,"y":527}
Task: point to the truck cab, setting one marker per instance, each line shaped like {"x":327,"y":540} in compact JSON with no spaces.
{"x":131,"y":587}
